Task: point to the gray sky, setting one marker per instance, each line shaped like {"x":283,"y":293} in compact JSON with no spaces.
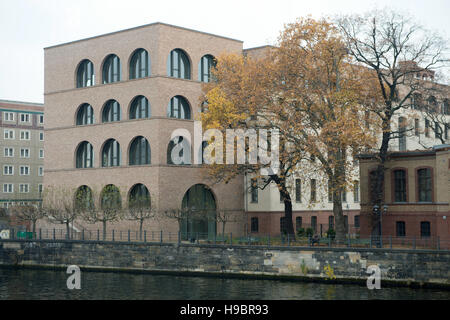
{"x":27,"y":26}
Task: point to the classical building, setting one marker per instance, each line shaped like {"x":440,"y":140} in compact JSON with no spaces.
{"x":416,"y":195}
{"x":112,"y":103}
{"x":22,"y":152}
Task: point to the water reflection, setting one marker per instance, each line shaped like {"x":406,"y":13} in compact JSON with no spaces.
{"x":44,"y":284}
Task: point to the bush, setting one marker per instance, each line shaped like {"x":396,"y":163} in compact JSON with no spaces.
{"x":331,"y":233}
{"x":301,"y":233}
{"x":309,"y":232}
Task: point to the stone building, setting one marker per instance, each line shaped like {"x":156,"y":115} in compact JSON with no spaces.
{"x":112,"y":103}
{"x":22,"y":152}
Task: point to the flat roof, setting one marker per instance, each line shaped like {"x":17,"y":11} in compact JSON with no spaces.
{"x":139,"y":27}
{"x":11,"y":105}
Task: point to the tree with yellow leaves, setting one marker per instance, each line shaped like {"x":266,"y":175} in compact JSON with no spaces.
{"x":307,"y":90}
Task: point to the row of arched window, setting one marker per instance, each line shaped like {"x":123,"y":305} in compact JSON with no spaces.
{"x":431,"y":104}
{"x":178,"y":66}
{"x":110,"y":197}
{"x":178,"y":108}
{"x":139,"y":153}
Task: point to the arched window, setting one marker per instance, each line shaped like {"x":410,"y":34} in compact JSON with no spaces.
{"x":110,"y":198}
{"x":112,"y":69}
{"x":111,"y":111}
{"x":85,"y":155}
{"x":139,"y":151}
{"x":425,"y":229}
{"x":85,"y":114}
{"x":140,"y":108}
{"x":416,"y":101}
{"x":85,"y":74}
{"x":111,"y":155}
{"x":424,"y":185}
{"x":432,"y":104}
{"x":140,"y":64}
{"x":204,"y":68}
{"x":178,"y":65}
{"x":84,"y":200}
{"x":182,"y":154}
{"x":139,"y":197}
{"x":178,"y":108}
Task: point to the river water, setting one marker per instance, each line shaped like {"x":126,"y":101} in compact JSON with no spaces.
{"x":46,"y":284}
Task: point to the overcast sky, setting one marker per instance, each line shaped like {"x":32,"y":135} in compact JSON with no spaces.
{"x":27,"y":26}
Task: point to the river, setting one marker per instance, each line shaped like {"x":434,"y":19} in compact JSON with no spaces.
{"x":46,"y":284}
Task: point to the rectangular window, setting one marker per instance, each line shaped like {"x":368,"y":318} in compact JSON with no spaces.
{"x":8,"y":116}
{"x":314,"y":223}
{"x":41,"y":153}
{"x":298,"y":223}
{"x":425,"y":229}
{"x":8,"y":134}
{"x":8,"y":170}
{"x":24,"y":188}
{"x":416,"y":127}
{"x":41,"y":119}
{"x":424,"y":184}
{"x":313,"y":190}
{"x":41,"y":171}
{"x":41,"y":136}
{"x":24,"y":153}
{"x":330,"y":222}
{"x":25,"y":135}
{"x":399,"y":186}
{"x":346,"y":223}
{"x":356,"y":221}
{"x":24,"y":170}
{"x":356,"y":191}
{"x":8,"y":188}
{"x":298,"y":190}
{"x":25,"y":117}
{"x":8,"y":152}
{"x":400,"y":228}
{"x":254,"y":190}
{"x":254,"y":224}
{"x":40,"y":188}
{"x":344,"y":196}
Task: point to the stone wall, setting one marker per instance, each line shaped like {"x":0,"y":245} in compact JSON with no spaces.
{"x":398,"y":267}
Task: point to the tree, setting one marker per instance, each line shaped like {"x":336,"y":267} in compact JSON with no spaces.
{"x":139,"y":209}
{"x":29,"y":212}
{"x":59,"y":205}
{"x":396,"y":49}
{"x":226,"y":216}
{"x":307,"y":90}
{"x":109,"y":210}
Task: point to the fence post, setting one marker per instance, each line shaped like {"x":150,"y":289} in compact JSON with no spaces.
{"x":414,"y":242}
{"x":145,"y":235}
{"x":198,"y":238}
{"x":390,"y":241}
{"x":370,"y":241}
{"x":329,"y":242}
{"x":98,"y":235}
{"x":12,"y":234}
{"x":129,"y":238}
{"x":268,"y":240}
{"x":349,"y":241}
{"x":54,"y":234}
{"x":179,"y":237}
{"x":289,"y":240}
{"x":113,"y":235}
{"x":169,"y":237}
{"x":40,"y":234}
{"x":438,"y":243}
{"x":161,"y":238}
{"x":215,"y":238}
{"x":82,"y":235}
{"x":231,"y":238}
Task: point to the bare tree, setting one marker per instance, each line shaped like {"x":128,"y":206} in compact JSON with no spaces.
{"x":139,"y":209}
{"x":30,"y":212}
{"x":396,"y":49}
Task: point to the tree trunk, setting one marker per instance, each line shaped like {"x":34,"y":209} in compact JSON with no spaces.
{"x":67,"y":230}
{"x":338,"y":217}
{"x":141,"y":222}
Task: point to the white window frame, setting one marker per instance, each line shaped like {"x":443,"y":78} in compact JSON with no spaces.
{"x":24,"y":149}
{"x":25,"y":117}
{"x":8,"y":116}
{"x":41,"y":171}
{"x":6,"y":152}
{"x":10,"y":167}
{"x":25,"y":133}
{"x":7,"y":187}
{"x":41,"y":119}
{"x":22,"y":187}
{"x":41,"y":134}
{"x":41,"y":153}
{"x":7,"y":135}
{"x":24,"y":170}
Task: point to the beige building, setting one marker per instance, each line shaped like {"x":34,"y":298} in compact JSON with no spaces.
{"x":112,"y":103}
{"x":22,"y":152}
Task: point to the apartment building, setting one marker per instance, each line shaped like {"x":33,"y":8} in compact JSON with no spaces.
{"x":22,"y":152}
{"x":112,"y":104}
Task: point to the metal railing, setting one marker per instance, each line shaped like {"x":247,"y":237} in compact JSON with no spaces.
{"x":250,"y":239}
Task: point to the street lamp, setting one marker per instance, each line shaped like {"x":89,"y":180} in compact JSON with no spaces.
{"x":376,"y":211}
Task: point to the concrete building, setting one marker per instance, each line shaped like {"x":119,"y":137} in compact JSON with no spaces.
{"x":22,"y":152}
{"x":112,"y":103}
